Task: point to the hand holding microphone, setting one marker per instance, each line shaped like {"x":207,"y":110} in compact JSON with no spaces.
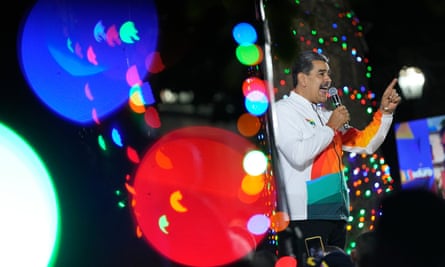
{"x":340,"y":115}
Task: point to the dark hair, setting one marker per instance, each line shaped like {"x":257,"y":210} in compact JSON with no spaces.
{"x":338,"y":258}
{"x":304,"y":63}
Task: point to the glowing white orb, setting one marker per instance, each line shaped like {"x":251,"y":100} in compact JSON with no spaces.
{"x":28,"y":205}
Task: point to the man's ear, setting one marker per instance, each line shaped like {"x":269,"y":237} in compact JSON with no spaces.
{"x":302,"y":78}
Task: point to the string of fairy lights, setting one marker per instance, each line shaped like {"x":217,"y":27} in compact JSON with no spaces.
{"x":368,"y":176}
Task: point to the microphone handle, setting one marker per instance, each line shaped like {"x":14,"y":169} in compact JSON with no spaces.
{"x":337,"y":102}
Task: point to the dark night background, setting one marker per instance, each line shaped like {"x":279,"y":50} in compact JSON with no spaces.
{"x":398,"y":33}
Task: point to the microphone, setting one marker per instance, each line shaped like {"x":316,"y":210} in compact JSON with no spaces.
{"x":336,"y":100}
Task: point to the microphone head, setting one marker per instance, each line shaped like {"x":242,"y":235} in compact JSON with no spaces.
{"x":332,"y":91}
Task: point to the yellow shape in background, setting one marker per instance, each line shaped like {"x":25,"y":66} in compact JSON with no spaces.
{"x":404,"y":131}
